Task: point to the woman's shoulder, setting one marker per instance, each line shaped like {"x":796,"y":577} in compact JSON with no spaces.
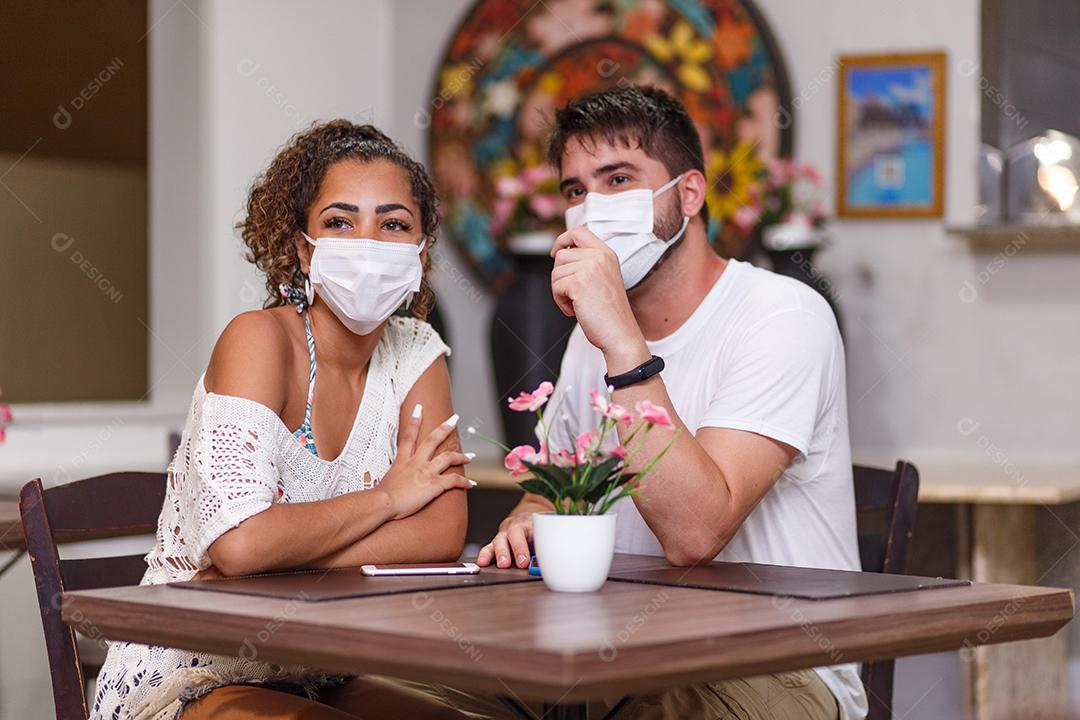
{"x":409,"y":335}
{"x":413,"y":346}
{"x":251,"y":358}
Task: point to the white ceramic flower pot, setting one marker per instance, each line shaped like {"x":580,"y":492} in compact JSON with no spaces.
{"x":574,"y":551}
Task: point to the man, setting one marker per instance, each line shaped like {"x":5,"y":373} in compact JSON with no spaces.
{"x":753,"y":373}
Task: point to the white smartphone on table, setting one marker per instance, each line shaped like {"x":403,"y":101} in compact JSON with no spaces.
{"x":467,"y":568}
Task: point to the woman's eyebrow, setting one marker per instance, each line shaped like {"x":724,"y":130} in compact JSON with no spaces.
{"x":341,"y":206}
{"x":390,"y":207}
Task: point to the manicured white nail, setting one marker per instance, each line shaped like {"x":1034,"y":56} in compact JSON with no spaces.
{"x":417,"y":411}
{"x":471,"y":456}
{"x":472,"y":482}
{"x":452,"y":420}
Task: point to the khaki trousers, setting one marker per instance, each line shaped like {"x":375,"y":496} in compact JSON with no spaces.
{"x":798,"y":695}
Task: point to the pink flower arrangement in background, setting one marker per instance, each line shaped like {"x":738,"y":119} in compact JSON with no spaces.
{"x":787,"y":192}
{"x":596,"y":473}
{"x":5,"y":419}
{"x":527,"y":201}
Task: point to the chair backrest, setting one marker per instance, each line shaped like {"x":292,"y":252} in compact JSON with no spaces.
{"x":885,"y":504}
{"x":107,"y":506}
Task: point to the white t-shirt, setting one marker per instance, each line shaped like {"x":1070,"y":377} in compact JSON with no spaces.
{"x":761,"y":353}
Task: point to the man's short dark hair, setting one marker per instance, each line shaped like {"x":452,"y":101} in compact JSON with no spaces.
{"x":637,"y":116}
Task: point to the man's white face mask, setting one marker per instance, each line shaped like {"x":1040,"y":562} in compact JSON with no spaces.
{"x":624,"y":221}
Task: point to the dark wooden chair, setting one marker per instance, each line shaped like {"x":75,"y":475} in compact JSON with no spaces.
{"x":885,"y":502}
{"x":107,"y":506}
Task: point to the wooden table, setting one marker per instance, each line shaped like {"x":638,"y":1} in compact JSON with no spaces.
{"x":995,"y":515}
{"x":522,"y":641}
{"x":996,"y":508}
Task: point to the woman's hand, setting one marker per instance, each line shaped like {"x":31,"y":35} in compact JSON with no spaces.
{"x":418,"y":474}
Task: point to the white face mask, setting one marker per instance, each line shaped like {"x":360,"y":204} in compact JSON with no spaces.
{"x":364,"y":281}
{"x":624,"y":220}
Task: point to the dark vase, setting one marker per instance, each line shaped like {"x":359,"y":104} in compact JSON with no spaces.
{"x":798,"y":263}
{"x":528,"y":337}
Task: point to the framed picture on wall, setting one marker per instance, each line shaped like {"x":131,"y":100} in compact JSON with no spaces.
{"x":890,"y":135}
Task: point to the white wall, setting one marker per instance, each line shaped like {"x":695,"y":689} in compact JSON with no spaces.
{"x":920,"y":357}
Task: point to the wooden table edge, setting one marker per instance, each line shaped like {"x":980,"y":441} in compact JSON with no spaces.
{"x":579,"y":675}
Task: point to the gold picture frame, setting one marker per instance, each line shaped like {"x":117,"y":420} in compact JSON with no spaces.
{"x":890,"y":144}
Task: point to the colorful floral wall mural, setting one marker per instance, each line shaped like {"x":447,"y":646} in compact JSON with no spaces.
{"x":511,"y":63}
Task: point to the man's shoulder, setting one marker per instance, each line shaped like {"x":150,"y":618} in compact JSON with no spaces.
{"x":763,"y":294}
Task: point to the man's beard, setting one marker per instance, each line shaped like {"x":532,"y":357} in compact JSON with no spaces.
{"x":670,"y":220}
{"x":665,"y":225}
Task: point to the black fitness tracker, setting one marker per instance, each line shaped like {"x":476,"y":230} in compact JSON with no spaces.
{"x":644,"y":371}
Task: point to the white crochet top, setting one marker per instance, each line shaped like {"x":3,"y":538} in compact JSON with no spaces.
{"x":236,"y":457}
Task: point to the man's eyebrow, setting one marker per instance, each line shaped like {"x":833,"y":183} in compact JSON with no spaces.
{"x":600,"y":171}
{"x":612,"y":167}
{"x":341,"y":206}
{"x":390,"y":207}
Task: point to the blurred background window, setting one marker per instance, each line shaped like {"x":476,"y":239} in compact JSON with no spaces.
{"x":1030,"y":59}
{"x":73,"y":201}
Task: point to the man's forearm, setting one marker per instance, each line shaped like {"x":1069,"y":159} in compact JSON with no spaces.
{"x":685,"y":499}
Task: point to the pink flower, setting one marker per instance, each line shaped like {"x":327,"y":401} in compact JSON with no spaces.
{"x":545,"y":206}
{"x":501,"y":210}
{"x":564,"y":459}
{"x":797,"y":217}
{"x":746,"y":217}
{"x":618,"y":412}
{"x":582,"y":445}
{"x":605,"y":407}
{"x":515,"y":459}
{"x":653,"y":414}
{"x":508,"y":187}
{"x":5,"y":413}
{"x":621,"y":453}
{"x":810,"y":173}
{"x":536,"y":174}
{"x":531,"y":402}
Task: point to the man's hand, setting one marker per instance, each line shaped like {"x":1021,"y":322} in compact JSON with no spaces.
{"x":587,"y":284}
{"x":511,"y":543}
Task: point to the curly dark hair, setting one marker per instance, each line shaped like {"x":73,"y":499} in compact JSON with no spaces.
{"x":281,"y":196}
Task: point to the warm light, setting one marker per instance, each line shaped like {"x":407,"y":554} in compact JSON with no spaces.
{"x":1059,"y":182}
{"x":1051,"y":152}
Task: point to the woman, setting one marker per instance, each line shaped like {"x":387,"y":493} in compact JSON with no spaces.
{"x":321,"y":434}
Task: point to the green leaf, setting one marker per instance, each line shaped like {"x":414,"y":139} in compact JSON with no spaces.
{"x":559,"y":478}
{"x":539,"y":487}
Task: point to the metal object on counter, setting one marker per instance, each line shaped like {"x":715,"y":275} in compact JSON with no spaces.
{"x":990,"y":210}
{"x":1042,"y":176}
